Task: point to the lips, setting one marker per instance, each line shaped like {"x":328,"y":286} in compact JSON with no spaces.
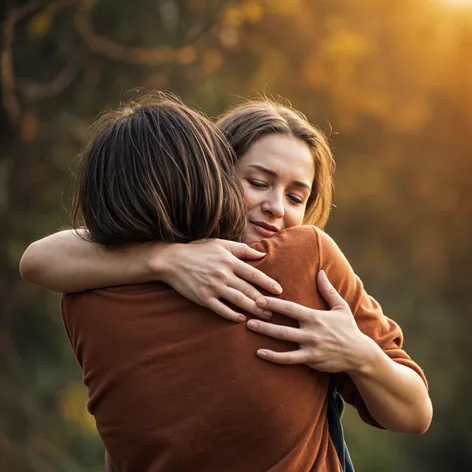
{"x":266,"y":230}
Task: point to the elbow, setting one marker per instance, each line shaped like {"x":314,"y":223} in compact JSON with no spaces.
{"x":421,"y":421}
{"x":30,"y":267}
{"x":420,"y":427}
{"x":426,"y":418}
{"x":416,"y":420}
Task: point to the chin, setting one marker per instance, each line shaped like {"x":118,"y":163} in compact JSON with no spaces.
{"x":248,"y":237}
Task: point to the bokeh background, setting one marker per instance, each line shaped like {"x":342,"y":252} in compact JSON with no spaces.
{"x":389,"y":81}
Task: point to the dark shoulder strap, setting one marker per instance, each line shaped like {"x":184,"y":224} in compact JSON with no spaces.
{"x":108,"y":464}
{"x":334,"y":415}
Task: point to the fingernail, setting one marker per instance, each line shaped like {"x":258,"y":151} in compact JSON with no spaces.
{"x":264,"y":314}
{"x":241,"y":318}
{"x":252,"y":324}
{"x":277,"y":288}
{"x":261,"y":353}
{"x":323,"y":275}
{"x":261,"y":302}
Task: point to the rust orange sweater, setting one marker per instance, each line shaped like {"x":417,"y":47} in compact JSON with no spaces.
{"x":173,"y":387}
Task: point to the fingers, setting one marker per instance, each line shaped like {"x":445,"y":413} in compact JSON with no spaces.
{"x":243,"y":251}
{"x":285,"y":333}
{"x":255,"y":276}
{"x":328,"y":292}
{"x":289,"y":358}
{"x":224,"y":311}
{"x":251,"y":295}
{"x":246,"y":288}
{"x":290,"y":309}
{"x":240,"y":300}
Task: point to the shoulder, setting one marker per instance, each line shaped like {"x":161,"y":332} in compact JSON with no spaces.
{"x":307,"y":243}
{"x":292,"y":258}
{"x":305,"y":234}
{"x":292,"y":240}
{"x":329,"y":251}
{"x":295,"y":248}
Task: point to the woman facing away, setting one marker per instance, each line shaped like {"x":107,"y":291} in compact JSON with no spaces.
{"x":285,"y":167}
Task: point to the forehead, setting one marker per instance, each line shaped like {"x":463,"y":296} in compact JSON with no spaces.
{"x":289,"y":156}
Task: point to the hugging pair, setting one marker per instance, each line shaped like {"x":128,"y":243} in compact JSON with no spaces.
{"x":186,"y":220}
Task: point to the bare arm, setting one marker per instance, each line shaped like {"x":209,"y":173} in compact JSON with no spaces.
{"x":205,"y":272}
{"x":65,"y":262}
{"x":394,"y":394}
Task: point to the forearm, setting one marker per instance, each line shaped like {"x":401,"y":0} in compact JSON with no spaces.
{"x":65,"y":262}
{"x":394,"y":394}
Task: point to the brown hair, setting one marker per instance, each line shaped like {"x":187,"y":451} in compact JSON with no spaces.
{"x":244,"y":124}
{"x":155,"y":169}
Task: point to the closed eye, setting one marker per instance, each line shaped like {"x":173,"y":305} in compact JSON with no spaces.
{"x":295,"y":199}
{"x":257,"y":183}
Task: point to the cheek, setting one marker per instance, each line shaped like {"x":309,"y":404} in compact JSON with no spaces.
{"x":252,"y":197}
{"x":294,"y":217}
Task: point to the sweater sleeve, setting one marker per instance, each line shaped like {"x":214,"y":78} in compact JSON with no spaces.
{"x":369,"y":318}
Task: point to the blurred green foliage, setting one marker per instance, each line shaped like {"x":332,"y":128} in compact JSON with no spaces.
{"x":390,"y":82}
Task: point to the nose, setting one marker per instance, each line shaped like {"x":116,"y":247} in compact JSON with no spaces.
{"x":274,"y":205}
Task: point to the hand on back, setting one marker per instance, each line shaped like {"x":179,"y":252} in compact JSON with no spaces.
{"x":211,"y":273}
{"x":329,"y":340}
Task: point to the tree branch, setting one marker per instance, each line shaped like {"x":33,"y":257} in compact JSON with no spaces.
{"x":118,"y":52}
{"x":195,"y":34}
{"x":36,"y":90}
{"x":18,"y":13}
{"x":7,"y":73}
{"x":148,"y":56}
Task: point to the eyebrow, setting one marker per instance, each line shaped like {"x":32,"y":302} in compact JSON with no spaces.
{"x":272,"y":173}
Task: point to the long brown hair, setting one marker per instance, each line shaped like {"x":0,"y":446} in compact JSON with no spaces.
{"x":154,"y":169}
{"x":244,"y":124}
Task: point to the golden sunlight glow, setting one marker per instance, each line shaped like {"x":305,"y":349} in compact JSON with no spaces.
{"x":459,"y":2}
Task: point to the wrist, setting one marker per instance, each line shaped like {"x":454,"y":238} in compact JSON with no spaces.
{"x":160,"y":261}
{"x":366,"y":358}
